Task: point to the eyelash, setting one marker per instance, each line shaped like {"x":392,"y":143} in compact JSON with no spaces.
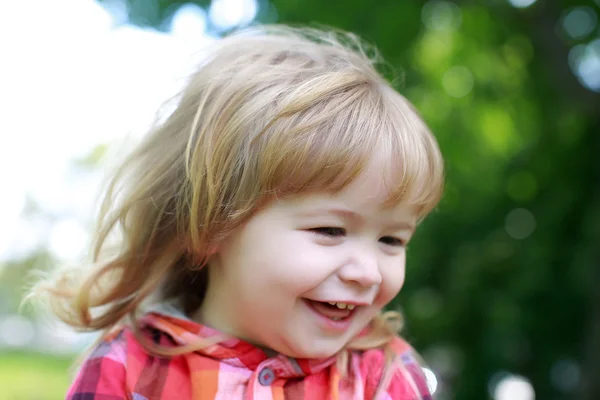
{"x":330,"y":231}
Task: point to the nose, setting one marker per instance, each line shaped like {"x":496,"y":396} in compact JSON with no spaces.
{"x":362,"y":268}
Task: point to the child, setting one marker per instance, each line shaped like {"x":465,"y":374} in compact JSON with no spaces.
{"x":262,"y":228}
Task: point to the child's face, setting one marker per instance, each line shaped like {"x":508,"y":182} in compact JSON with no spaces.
{"x":343,"y":247}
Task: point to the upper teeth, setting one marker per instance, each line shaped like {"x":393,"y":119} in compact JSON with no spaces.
{"x":342,"y":306}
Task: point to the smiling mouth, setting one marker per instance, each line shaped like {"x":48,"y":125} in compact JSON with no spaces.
{"x":335,"y":311}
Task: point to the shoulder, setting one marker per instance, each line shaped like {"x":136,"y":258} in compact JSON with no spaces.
{"x":102,"y":374}
{"x":120,"y":368}
{"x":395,"y":370}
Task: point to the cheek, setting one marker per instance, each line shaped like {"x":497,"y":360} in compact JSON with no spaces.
{"x":288,"y":260}
{"x":392,"y":282}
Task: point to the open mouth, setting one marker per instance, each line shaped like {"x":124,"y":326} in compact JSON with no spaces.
{"x":331,"y":310}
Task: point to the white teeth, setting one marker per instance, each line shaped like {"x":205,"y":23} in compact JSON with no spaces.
{"x":342,"y":306}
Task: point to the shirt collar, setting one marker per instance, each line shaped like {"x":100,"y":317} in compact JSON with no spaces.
{"x":168,"y":318}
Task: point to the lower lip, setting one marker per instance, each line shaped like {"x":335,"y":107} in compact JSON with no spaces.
{"x":339,"y":326}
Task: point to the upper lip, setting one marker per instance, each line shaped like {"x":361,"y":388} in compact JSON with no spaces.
{"x":354,"y":303}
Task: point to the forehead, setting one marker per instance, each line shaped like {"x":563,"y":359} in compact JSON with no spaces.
{"x":368,"y":194}
{"x":372,"y":185}
{"x":376,"y":184}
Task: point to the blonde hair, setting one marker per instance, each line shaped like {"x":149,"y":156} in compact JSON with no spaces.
{"x":271,"y":110}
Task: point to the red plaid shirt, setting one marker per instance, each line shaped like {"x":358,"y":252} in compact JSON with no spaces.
{"x":119,"y":368}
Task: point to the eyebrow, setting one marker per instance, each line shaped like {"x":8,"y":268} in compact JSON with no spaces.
{"x":355,"y":217}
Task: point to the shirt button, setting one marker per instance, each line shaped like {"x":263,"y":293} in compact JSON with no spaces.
{"x":266,"y":377}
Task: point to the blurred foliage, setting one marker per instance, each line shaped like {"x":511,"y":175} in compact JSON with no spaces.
{"x":502,"y":276}
{"x":32,"y":376}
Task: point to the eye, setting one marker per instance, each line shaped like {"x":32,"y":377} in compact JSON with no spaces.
{"x":392,"y":241}
{"x":329,"y":231}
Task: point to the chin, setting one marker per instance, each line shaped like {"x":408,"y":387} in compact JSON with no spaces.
{"x":320,"y":352}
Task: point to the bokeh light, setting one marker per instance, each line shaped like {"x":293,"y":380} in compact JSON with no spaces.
{"x":585,"y":63}
{"x":441,"y":15}
{"x":579,"y":22}
{"x":521,"y":3}
{"x":227,"y":14}
{"x":514,"y":387}
{"x":565,"y":375}
{"x":458,"y":81}
{"x":520,"y":223}
{"x":446,"y":359}
{"x":432,"y":381}
{"x":189,"y":22}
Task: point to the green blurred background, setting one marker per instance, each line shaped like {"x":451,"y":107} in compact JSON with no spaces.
{"x":503,"y":289}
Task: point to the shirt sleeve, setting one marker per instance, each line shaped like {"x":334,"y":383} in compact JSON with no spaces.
{"x":102,"y":374}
